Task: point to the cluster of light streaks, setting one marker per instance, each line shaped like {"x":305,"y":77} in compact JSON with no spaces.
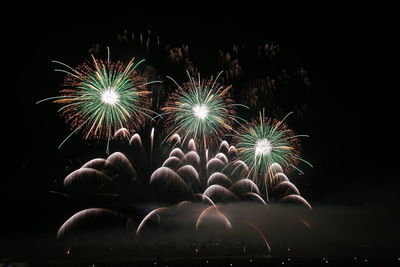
{"x":201,"y":110}
{"x":100,"y":97}
{"x":193,"y":202}
{"x":262,"y":143}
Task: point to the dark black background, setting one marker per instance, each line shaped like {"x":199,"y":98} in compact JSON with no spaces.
{"x":350,"y":51}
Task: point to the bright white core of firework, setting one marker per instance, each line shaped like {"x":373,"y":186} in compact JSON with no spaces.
{"x":200,"y":111}
{"x":109,"y":96}
{"x":263,"y":147}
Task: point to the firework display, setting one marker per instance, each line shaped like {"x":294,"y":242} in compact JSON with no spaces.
{"x":215,"y":135}
{"x":101,"y":96}
{"x":186,"y":198}
{"x":181,"y":160}
{"x":200,"y":109}
{"x":266,"y":142}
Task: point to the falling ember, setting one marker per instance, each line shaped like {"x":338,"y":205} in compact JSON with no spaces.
{"x":261,"y":235}
{"x":306,"y":224}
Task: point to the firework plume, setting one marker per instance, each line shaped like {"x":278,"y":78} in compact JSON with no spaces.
{"x":266,"y":142}
{"x":100,"y":97}
{"x":201,"y":110}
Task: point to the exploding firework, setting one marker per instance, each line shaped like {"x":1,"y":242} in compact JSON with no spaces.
{"x":201,"y":110}
{"x":130,"y":196}
{"x":193,"y":185}
{"x":264,"y":143}
{"x":101,"y":97}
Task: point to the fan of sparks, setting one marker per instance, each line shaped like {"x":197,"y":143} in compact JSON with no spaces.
{"x":201,"y":110}
{"x":266,"y":142}
{"x":100,"y":97}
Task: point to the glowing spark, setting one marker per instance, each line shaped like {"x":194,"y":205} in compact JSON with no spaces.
{"x":266,"y":142}
{"x":200,"y":111}
{"x":263,"y":147}
{"x":101,"y":97}
{"x":110,"y":96}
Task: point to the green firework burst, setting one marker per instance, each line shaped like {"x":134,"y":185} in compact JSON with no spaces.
{"x":264,"y":142}
{"x":201,"y":110}
{"x":100,"y":97}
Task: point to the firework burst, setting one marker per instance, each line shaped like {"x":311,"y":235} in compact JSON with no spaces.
{"x":265,"y":142}
{"x":100,"y":97}
{"x":201,"y":110}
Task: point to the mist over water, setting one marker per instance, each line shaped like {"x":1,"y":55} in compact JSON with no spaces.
{"x":342,"y":232}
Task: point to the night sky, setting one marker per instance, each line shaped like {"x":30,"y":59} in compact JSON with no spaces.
{"x":350,"y":52}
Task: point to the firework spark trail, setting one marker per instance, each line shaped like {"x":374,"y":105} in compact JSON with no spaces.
{"x":101,"y":97}
{"x":260,"y":233}
{"x":265,"y":142}
{"x":217,"y":212}
{"x":148,"y":216}
{"x":201,"y":110}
